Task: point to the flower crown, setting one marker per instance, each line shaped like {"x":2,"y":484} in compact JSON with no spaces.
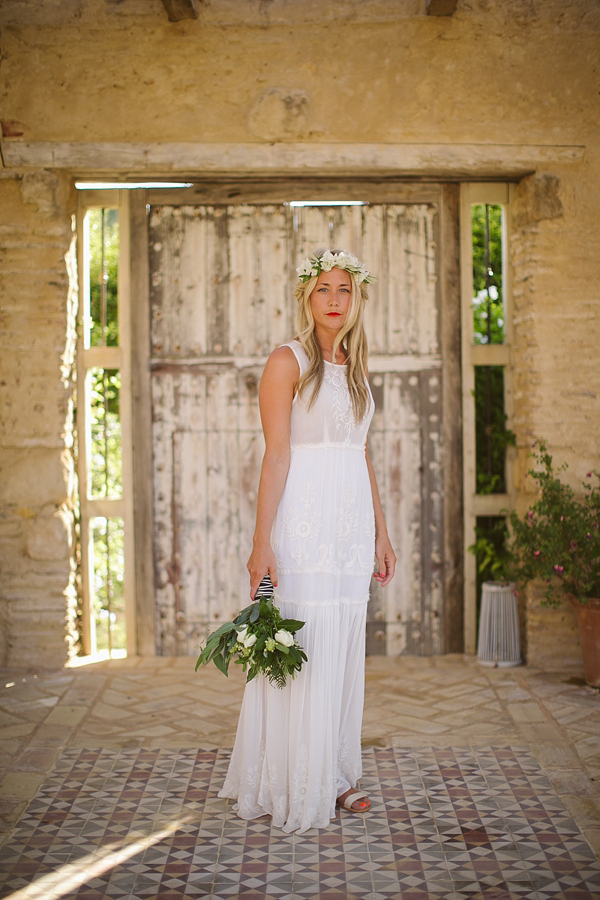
{"x":314,"y":265}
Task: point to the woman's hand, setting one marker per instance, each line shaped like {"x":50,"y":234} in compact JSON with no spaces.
{"x":261,"y":562}
{"x":386,"y":560}
{"x":384,"y":554}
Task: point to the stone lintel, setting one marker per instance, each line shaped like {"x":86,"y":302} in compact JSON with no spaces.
{"x":89,"y":159}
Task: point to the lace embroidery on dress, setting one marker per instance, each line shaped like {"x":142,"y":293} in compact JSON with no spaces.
{"x":303,"y":525}
{"x":310,"y":803}
{"x":347,"y":518}
{"x":342,"y":405}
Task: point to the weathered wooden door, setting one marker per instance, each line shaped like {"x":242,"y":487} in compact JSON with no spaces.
{"x":221,"y":281}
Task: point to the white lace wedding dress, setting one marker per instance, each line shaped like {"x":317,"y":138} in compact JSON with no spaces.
{"x":297,"y":749}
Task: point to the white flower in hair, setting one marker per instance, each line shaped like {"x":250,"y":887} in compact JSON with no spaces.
{"x":314,"y":265}
{"x":305,"y":270}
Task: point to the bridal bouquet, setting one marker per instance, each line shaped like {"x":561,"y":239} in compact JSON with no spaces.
{"x":263,"y":642}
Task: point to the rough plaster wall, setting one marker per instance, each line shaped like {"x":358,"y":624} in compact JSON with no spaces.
{"x":556,"y":252}
{"x":556,"y":248}
{"x":37,"y":304}
{"x":509,"y":72}
{"x":519,"y":71}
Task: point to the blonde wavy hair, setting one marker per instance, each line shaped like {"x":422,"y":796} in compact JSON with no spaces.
{"x":351,"y":338}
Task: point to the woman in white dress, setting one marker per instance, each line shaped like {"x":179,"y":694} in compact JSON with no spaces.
{"x":319,"y":527}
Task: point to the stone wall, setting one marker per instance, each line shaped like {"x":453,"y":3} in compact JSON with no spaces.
{"x":38,"y":295}
{"x":551,"y":634}
{"x":497,"y":89}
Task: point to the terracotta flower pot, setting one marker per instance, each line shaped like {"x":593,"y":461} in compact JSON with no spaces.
{"x":588,"y":619}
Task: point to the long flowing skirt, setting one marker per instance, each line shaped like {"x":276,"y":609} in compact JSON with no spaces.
{"x":298,"y":748}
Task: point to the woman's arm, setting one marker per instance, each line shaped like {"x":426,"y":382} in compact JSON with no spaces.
{"x":386,"y":558}
{"x":275,"y":395}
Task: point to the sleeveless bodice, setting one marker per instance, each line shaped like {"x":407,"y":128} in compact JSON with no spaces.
{"x":330,"y":420}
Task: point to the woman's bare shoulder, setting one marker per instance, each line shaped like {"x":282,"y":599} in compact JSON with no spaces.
{"x":283,"y":363}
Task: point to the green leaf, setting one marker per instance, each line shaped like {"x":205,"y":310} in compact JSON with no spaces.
{"x":255,"y":612}
{"x":281,"y":647}
{"x":214,"y":638}
{"x":221,"y":664}
{"x":243,"y":616}
{"x":266,"y":608}
{"x":291,"y":625}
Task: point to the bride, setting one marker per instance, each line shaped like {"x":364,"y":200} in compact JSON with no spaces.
{"x":319,"y":526}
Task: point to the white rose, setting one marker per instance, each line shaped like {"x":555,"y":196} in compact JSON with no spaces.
{"x":284,"y":637}
{"x":241,"y":635}
{"x":249,"y":641}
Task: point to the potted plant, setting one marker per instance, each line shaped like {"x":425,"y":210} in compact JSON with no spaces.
{"x":558,"y":540}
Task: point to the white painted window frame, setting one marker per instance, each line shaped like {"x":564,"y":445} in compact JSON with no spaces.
{"x":107,"y":358}
{"x":482,"y":355}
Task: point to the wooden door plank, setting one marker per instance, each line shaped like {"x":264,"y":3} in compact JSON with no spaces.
{"x":372,"y":254}
{"x":189,"y":549}
{"x":431,"y":512}
{"x":163,"y":531}
{"x":452,"y":461}
{"x":180,"y":274}
{"x":142,"y":426}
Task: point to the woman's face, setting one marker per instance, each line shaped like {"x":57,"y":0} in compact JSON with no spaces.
{"x":330,"y":299}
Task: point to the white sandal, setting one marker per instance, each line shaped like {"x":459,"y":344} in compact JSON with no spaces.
{"x":352,"y":797}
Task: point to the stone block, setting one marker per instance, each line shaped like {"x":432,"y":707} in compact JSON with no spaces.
{"x":66,"y":715}
{"x":35,"y":759}
{"x":525,"y":713}
{"x":32,"y":477}
{"x":49,"y":536}
{"x":21,"y":784}
{"x":537,"y":198}
{"x":46,"y":649}
{"x":39,"y":188}
{"x":280,"y":114}
{"x":11,"y":810}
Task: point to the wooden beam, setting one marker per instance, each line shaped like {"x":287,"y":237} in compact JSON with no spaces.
{"x":441,"y":7}
{"x":452,"y":460}
{"x":142,"y":426}
{"x":181,"y":9}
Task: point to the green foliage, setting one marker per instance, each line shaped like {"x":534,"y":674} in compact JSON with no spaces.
{"x":105,"y":429}
{"x":105,"y":433}
{"x":109,"y":274}
{"x":252,"y":638}
{"x":488,"y":305}
{"x":491,"y":435}
{"x":558,"y":539}
{"x":490,"y":548}
{"x":109,"y":583}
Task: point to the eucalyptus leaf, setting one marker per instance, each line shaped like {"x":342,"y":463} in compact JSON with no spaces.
{"x":221,"y":664}
{"x":291,"y":625}
{"x":255,"y":613}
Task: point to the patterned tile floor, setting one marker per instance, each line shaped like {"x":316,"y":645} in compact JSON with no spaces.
{"x":482,"y":823}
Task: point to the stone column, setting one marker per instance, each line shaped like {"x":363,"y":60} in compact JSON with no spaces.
{"x":38,"y":298}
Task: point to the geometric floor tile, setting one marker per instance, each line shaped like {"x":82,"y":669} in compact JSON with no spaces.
{"x":479,"y":823}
